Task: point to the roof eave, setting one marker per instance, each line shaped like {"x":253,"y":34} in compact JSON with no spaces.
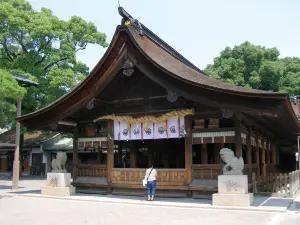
{"x":78,"y":87}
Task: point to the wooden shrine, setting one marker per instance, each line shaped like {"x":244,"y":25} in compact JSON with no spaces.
{"x":142,"y":85}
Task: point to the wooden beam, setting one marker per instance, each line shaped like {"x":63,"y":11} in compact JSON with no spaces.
{"x":252,"y":123}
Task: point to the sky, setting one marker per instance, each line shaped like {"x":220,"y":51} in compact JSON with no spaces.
{"x":198,"y":29}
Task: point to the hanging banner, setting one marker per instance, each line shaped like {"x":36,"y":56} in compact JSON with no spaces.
{"x":124,"y":131}
{"x":160,"y":131}
{"x":182,"y":132}
{"x":136,"y":131}
{"x":116,"y":130}
{"x":173,"y":127}
{"x":148,"y":131}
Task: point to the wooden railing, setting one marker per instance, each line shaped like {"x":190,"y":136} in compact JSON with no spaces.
{"x":136,"y":175}
{"x":206,"y":171}
{"x":278,"y":183}
{"x":89,"y":170}
{"x":212,"y":171}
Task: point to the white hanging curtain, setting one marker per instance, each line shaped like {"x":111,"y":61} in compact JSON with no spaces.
{"x":136,"y":131}
{"x":124,"y":131}
{"x":116,"y":130}
{"x":160,"y":131}
{"x":148,"y":131}
{"x":173,"y":127}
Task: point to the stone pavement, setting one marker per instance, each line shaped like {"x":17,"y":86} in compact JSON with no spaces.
{"x":16,"y":210}
{"x":31,"y":186}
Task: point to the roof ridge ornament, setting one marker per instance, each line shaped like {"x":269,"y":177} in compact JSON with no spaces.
{"x":129,"y":20}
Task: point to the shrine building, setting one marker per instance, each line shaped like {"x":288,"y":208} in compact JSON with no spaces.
{"x":145,"y":102}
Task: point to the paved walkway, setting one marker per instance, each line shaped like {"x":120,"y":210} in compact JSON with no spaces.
{"x":31,"y":186}
{"x":16,"y":210}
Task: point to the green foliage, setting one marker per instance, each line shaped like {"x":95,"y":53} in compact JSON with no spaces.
{"x":42,"y":45}
{"x":9,"y":91}
{"x":257,"y":67}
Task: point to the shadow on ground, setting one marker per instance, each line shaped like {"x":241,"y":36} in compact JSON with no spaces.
{"x":26,"y":192}
{"x":271,"y":201}
{"x":160,"y":199}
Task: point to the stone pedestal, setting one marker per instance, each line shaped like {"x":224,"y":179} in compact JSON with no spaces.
{"x":233,"y":191}
{"x":58,"y":184}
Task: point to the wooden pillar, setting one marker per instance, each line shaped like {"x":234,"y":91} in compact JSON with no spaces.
{"x":238,"y":140}
{"x":188,"y":148}
{"x":26,"y":164}
{"x":119,"y":156}
{"x":75,"y":152}
{"x":274,"y":161}
{"x":217,"y":148}
{"x":99,"y":155}
{"x":263,"y":159}
{"x":257,"y":156}
{"x":268,"y":160}
{"x":3,"y":163}
{"x":204,"y":156}
{"x":133,"y":158}
{"x":110,"y":151}
{"x":249,"y":152}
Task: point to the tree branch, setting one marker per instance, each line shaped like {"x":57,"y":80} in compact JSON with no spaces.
{"x":40,"y":61}
{"x":21,"y":43}
{"x":44,"y":45}
{"x":7,"y":51}
{"x":81,"y":48}
{"x":52,"y":64}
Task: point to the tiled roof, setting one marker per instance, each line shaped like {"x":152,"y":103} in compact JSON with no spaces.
{"x":9,"y":137}
{"x":174,"y":63}
{"x":23,"y":79}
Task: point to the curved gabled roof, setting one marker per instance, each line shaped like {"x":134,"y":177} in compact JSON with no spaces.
{"x":162,"y":56}
{"x":175,"y":65}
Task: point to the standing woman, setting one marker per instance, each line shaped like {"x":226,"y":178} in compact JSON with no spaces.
{"x":151,"y":181}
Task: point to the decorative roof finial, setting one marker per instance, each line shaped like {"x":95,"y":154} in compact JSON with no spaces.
{"x":128,"y":19}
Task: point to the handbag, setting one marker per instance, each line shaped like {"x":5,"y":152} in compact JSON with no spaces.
{"x":145,"y":180}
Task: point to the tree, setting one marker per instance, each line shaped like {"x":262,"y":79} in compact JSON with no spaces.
{"x":40,"y":44}
{"x":9,"y":91}
{"x":257,"y":67}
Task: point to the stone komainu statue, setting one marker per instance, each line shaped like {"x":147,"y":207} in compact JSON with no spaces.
{"x":59,"y":163}
{"x":233,"y":166}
